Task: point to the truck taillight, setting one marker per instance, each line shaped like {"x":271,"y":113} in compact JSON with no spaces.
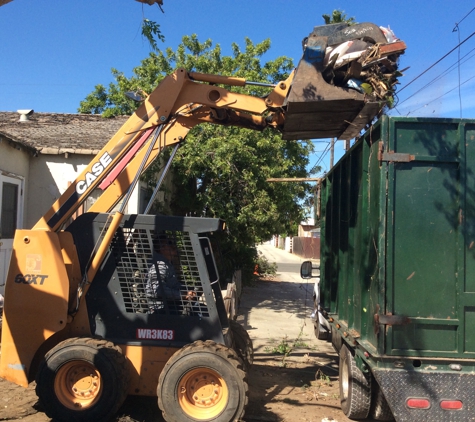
{"x":451,"y":404}
{"x":418,"y":403}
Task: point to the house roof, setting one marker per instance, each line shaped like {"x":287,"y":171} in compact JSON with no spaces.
{"x":58,"y":133}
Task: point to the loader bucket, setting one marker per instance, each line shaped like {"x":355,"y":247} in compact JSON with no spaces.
{"x":326,"y":99}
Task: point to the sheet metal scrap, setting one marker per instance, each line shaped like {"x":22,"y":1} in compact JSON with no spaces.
{"x":346,"y":77}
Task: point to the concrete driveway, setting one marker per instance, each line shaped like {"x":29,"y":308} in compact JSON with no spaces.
{"x":276,"y":313}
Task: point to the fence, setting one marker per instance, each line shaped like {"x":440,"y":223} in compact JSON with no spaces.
{"x":306,"y":247}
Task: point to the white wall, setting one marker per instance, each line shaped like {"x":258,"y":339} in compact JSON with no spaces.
{"x":50,"y":176}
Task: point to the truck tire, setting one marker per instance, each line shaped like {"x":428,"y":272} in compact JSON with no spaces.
{"x":242,"y":344}
{"x":320,"y":332}
{"x":204,"y":381}
{"x":380,"y":410}
{"x":355,"y":387}
{"x":82,"y":380}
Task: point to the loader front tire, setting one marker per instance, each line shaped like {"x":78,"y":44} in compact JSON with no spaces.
{"x":355,"y":387}
{"x":82,"y":380}
{"x":242,"y":344}
{"x":204,"y":381}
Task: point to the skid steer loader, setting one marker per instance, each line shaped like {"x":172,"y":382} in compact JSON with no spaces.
{"x":87,"y":314}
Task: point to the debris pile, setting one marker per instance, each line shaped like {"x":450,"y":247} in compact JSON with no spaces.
{"x":345,"y":79}
{"x":365,"y":58}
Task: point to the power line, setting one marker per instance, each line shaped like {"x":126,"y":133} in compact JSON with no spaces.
{"x":437,"y":62}
{"x":457,"y":29}
{"x":440,"y":96}
{"x":322,"y":156}
{"x":445,"y":72}
{"x":459,"y":22}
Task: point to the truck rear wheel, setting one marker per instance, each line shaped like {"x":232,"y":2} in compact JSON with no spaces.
{"x":355,"y":387}
{"x":380,"y":410}
{"x":82,"y":380}
{"x":242,"y":344}
{"x":204,"y":381}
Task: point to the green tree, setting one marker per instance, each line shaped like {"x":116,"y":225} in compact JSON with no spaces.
{"x":222,"y":171}
{"x":338,"y":16}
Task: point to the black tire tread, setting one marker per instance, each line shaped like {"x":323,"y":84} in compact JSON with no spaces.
{"x":243,"y":344}
{"x":113,"y":351}
{"x":318,"y":330}
{"x":380,"y":410}
{"x":359,"y":394}
{"x":207,"y":346}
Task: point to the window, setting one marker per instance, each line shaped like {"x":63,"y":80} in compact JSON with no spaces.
{"x":9,"y":212}
{"x":10,"y":202}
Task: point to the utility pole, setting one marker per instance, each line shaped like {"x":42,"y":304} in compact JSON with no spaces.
{"x":332,"y":152}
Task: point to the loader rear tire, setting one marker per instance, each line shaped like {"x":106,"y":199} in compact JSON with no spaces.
{"x":82,"y":380}
{"x":355,"y":387}
{"x":242,"y":344}
{"x":204,"y":381}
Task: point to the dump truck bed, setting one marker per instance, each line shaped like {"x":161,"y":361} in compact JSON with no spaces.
{"x":398,"y":260}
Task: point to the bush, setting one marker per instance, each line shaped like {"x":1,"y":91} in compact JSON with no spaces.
{"x":265,"y":268}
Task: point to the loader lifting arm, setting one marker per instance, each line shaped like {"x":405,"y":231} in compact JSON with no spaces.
{"x":308,"y":105}
{"x":178,"y":104}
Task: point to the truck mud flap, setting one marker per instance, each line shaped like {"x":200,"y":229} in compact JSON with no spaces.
{"x":403,"y":388}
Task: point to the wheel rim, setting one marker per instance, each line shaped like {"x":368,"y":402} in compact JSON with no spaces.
{"x":344,"y":381}
{"x":202,"y":393}
{"x":77,"y":385}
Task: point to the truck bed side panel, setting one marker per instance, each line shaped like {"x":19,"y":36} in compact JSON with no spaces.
{"x":398,"y":238}
{"x":350,"y":233}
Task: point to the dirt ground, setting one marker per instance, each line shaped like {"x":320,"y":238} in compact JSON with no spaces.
{"x":276,"y":394}
{"x":297,"y":388}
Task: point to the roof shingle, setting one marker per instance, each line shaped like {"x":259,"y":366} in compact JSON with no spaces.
{"x":57,"y":133}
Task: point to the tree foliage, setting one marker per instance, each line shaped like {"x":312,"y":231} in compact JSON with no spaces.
{"x":338,"y":16}
{"x":222,"y":171}
{"x":150,"y":31}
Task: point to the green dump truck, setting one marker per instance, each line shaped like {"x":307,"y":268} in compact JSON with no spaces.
{"x":397,"y":266}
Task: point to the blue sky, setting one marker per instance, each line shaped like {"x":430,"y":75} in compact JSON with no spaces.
{"x":53,"y":53}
